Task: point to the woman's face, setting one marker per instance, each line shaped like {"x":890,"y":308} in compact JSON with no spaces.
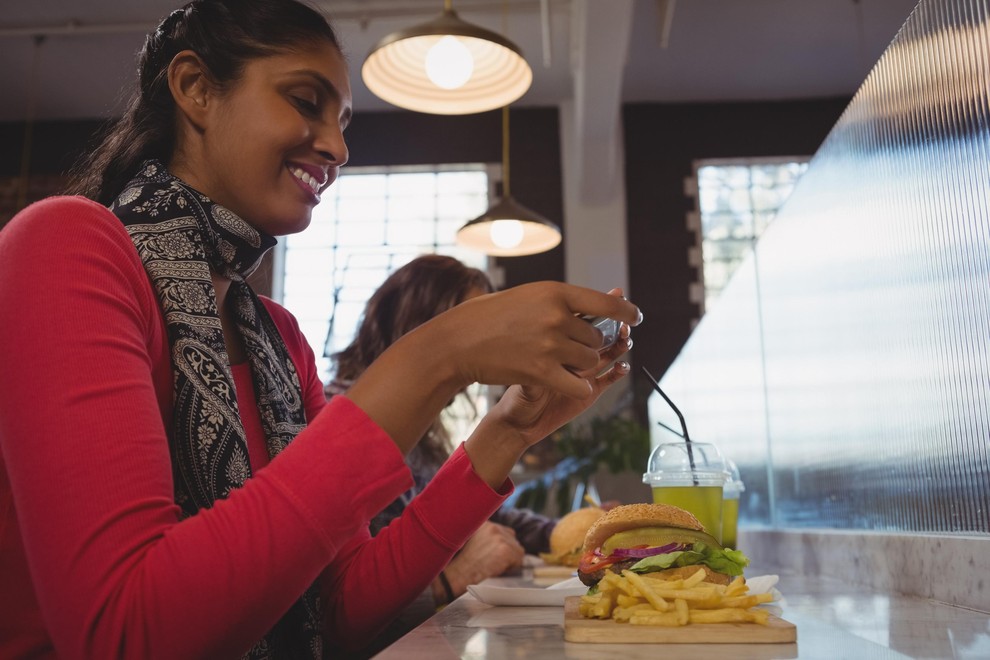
{"x":275,"y":139}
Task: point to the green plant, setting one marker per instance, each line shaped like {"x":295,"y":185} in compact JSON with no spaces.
{"x":577,"y":451}
{"x":615,"y":442}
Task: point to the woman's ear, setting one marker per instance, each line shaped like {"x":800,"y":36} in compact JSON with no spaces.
{"x":189,"y":84}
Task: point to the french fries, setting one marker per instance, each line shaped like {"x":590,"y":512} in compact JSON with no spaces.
{"x":652,"y":601}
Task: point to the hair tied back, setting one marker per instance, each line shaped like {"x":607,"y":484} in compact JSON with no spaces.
{"x":159,"y":49}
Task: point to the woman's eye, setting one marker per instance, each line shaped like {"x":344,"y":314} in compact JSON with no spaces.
{"x":306,"y":105}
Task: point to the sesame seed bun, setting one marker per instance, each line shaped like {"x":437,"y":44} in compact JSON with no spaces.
{"x":633,"y":516}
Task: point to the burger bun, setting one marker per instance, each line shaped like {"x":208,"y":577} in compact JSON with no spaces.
{"x":568,"y":535}
{"x":634,"y":516}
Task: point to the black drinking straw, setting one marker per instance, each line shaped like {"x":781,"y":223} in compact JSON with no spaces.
{"x":671,"y":429}
{"x":687,"y":438}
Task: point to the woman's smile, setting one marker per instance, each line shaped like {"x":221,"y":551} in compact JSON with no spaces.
{"x":311,"y":179}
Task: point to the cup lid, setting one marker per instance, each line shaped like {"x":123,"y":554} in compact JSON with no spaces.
{"x":733,"y":484}
{"x":685,"y":464}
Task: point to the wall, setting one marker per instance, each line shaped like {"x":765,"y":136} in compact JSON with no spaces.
{"x":846,"y":367}
{"x":54,"y":146}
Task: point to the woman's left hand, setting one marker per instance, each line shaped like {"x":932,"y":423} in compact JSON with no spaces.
{"x":527,"y":414}
{"x":536,"y":412}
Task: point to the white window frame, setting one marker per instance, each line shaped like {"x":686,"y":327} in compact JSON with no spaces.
{"x":697,"y":292}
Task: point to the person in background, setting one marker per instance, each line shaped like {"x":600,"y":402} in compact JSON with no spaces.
{"x":412,"y":295}
{"x":173,"y":482}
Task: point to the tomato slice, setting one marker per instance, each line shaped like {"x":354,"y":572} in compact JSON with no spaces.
{"x":591,"y":562}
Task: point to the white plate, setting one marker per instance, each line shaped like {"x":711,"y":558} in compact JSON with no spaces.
{"x":764,"y":584}
{"x":552,"y":596}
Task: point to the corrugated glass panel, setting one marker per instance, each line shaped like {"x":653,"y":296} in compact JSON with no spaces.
{"x":846,"y":367}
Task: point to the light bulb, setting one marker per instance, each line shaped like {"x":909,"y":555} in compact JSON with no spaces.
{"x":449,"y":63}
{"x":506,"y":233}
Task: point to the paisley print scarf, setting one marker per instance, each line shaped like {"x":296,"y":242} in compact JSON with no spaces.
{"x":181,"y":236}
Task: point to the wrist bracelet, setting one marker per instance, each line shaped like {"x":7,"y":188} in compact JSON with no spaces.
{"x":446,"y":587}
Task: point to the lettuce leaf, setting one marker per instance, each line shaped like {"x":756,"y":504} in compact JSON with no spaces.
{"x":730,"y":562}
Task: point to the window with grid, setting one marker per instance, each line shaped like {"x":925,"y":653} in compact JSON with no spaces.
{"x":370,"y":222}
{"x":737,"y":200}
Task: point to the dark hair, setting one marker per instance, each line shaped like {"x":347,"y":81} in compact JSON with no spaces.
{"x":425,"y":287}
{"x":226,"y":34}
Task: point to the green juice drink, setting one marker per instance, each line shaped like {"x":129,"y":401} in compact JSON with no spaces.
{"x":731,"y":493}
{"x":705,"y":502}
{"x":689,"y":475}
{"x":730,"y":522}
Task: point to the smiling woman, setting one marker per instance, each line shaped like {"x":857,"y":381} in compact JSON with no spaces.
{"x":200,"y":496}
{"x":294,"y":105}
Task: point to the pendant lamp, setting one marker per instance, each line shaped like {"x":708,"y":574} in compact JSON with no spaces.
{"x":447,"y":66}
{"x":509,"y":229}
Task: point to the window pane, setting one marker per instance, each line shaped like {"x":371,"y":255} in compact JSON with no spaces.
{"x":362,"y":185}
{"x":411,"y":184}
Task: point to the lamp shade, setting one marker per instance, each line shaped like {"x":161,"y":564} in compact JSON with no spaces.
{"x":509,"y":229}
{"x":447,"y":66}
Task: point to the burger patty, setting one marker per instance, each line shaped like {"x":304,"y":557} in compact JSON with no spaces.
{"x":591,"y":579}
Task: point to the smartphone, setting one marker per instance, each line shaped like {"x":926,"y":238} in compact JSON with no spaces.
{"x":608,"y":327}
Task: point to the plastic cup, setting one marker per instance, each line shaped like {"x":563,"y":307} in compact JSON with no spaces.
{"x":689,"y":475}
{"x":730,"y":505}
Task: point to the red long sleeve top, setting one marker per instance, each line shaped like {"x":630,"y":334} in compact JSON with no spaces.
{"x":94,"y":560}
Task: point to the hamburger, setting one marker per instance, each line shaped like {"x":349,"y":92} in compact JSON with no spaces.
{"x":655,"y":538}
{"x":567,"y":536}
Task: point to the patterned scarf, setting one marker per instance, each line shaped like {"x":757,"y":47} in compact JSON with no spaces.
{"x":181,"y":235}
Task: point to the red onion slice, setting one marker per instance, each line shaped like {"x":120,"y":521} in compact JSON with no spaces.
{"x":640,"y":553}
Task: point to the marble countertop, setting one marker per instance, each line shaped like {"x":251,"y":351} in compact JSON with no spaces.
{"x":834,"y":619}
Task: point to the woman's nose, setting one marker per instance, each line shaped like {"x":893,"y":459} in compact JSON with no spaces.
{"x":330,"y":144}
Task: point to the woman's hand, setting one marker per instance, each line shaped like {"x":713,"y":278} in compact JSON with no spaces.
{"x":527,"y":413}
{"x":529,"y":335}
{"x":536,"y":412}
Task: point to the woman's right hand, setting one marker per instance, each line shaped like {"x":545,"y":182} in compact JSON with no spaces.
{"x":529,"y":335}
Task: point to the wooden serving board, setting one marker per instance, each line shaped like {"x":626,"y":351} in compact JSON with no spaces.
{"x":601,"y":631}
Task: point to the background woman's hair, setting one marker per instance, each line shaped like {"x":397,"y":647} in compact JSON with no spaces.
{"x":425,"y":287}
{"x":226,"y":34}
